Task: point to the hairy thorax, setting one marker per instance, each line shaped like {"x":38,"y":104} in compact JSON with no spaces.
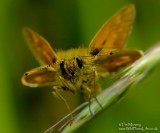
{"x":77,"y":69}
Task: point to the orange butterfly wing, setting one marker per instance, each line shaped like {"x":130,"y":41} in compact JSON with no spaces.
{"x":40,"y":47}
{"x":113,"y":60}
{"x":40,"y":76}
{"x":114,"y":33}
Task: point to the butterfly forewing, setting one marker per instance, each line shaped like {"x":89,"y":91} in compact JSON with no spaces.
{"x":40,"y":47}
{"x":114,"y":33}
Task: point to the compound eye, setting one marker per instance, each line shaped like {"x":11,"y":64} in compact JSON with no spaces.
{"x":62,"y":67}
{"x":62,"y":64}
{"x":79,"y":62}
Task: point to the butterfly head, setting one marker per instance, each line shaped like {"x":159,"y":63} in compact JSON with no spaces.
{"x":71,"y":66}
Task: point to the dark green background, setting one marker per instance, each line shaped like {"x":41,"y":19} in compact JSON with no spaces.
{"x":66,"y":24}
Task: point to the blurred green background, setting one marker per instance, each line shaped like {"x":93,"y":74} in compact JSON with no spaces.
{"x":67,"y":24}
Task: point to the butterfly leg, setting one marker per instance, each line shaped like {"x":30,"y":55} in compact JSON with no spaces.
{"x":94,"y":84}
{"x":56,"y":93}
{"x":87,"y":92}
{"x":91,"y":91}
